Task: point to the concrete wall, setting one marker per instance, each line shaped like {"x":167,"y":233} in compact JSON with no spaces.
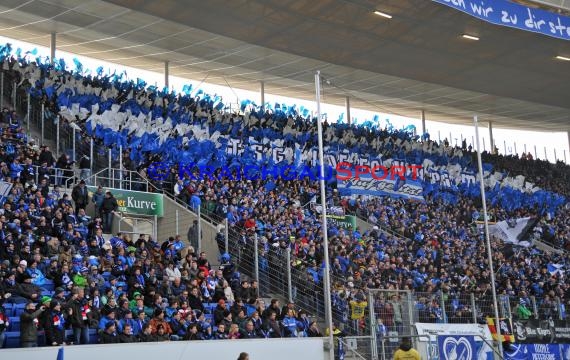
{"x":262,"y":349}
{"x":177,"y":220}
{"x":363,"y":225}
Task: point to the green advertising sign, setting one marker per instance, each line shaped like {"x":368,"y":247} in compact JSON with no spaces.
{"x":136,"y":202}
{"x":344,"y":221}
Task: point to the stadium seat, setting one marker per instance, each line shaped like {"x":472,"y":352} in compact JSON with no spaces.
{"x":14,"y":324}
{"x":9,"y":309}
{"x":19,"y":309}
{"x":41,"y":338}
{"x":16,"y":300}
{"x":93,"y":336}
{"x":12,"y":340}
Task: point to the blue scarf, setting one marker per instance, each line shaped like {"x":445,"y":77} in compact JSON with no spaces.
{"x":58,"y":320}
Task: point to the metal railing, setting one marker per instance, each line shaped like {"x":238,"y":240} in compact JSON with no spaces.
{"x":120,"y":179}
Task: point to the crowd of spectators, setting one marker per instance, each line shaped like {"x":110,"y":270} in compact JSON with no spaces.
{"x":65,"y":279}
{"x":115,"y":284}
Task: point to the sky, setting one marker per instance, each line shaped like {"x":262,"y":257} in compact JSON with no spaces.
{"x":540,"y":144}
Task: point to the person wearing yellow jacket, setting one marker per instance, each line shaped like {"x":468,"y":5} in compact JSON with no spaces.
{"x":406,"y":352}
{"x":337,"y":333}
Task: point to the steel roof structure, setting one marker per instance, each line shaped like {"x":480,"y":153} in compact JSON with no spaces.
{"x":417,"y":60}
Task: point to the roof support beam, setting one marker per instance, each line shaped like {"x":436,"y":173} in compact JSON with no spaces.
{"x":567,"y":132}
{"x":166,"y":74}
{"x":262,"y":94}
{"x":347,"y":104}
{"x":491,"y":140}
{"x":423,"y":122}
{"x":52,"y":48}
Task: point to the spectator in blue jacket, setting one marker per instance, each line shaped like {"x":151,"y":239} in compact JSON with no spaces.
{"x":290,"y":324}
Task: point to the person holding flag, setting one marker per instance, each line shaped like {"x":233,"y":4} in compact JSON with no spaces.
{"x":338,"y":344}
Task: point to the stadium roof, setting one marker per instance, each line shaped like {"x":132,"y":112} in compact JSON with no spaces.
{"x":416,"y":60}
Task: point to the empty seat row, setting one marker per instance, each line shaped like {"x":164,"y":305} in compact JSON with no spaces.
{"x":12,"y":338}
{"x":14,"y":310}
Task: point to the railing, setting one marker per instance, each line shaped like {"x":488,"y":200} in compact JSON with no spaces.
{"x":118,"y":179}
{"x":57,"y":176}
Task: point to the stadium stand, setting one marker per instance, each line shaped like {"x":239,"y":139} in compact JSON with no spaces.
{"x":93,"y":287}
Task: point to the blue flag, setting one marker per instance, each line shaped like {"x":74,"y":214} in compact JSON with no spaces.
{"x":399,"y":183}
{"x":340,"y":350}
{"x":60,"y":353}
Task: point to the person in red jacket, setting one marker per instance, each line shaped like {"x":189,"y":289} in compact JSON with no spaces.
{"x":4,"y":324}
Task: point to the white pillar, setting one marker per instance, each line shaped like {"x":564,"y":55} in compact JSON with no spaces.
{"x":91,"y":156}
{"x":73,"y":144}
{"x":121,"y":168}
{"x":52,"y":47}
{"x":423,"y":122}
{"x":491,"y":137}
{"x":327,"y":283}
{"x":262,"y":94}
{"x":57,"y":135}
{"x":568,"y":132}
{"x":166,"y":74}
{"x":347,"y":105}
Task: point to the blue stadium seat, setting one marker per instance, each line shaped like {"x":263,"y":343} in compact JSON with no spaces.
{"x":41,"y":338}
{"x":19,"y":309}
{"x":14,"y":324}
{"x":18,"y":300}
{"x":93,"y":336}
{"x":12,"y":340}
{"x":9,"y":309}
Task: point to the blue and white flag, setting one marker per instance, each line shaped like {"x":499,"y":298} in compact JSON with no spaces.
{"x":555,"y":269}
{"x":340,"y":350}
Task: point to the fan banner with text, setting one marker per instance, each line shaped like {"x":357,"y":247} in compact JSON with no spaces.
{"x":507,"y":13}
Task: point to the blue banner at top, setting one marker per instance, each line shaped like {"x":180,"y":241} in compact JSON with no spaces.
{"x":506,"y":13}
